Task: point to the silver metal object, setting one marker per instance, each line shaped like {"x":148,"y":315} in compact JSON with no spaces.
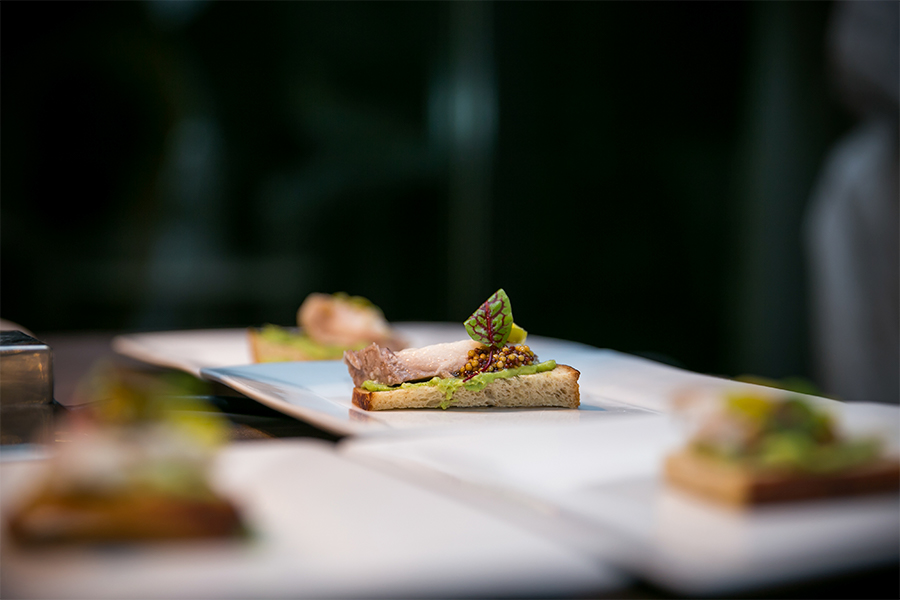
{"x":26,"y":388}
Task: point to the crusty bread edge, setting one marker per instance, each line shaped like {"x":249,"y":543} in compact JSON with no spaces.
{"x":737,"y":486}
{"x":370,"y":401}
{"x":50,"y":520}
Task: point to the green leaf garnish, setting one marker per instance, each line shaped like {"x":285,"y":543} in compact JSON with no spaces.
{"x":492,"y":322}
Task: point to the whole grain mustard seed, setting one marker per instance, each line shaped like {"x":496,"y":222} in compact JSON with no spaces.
{"x":508,"y":357}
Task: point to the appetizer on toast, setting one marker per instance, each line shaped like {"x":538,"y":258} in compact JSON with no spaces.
{"x":328,"y":325}
{"x":134,"y":470}
{"x":492,"y":369}
{"x":751,"y":448}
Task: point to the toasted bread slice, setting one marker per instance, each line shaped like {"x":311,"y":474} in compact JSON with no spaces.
{"x":737,"y":485}
{"x":555,"y":388}
{"x":51,"y":519}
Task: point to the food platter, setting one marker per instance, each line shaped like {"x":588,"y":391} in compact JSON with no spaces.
{"x":611,"y":384}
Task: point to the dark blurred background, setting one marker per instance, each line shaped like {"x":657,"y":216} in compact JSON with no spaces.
{"x":637,"y":176}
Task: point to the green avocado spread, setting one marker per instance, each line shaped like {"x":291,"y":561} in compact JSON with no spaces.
{"x":449,"y":385}
{"x":788,"y":435}
{"x":313,"y":349}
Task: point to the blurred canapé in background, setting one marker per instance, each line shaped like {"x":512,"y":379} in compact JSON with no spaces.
{"x":637,"y":176}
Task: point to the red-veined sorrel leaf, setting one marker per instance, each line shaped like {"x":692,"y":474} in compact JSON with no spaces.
{"x":492,"y":322}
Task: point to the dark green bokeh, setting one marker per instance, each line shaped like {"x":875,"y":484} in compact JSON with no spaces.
{"x":210,"y":165}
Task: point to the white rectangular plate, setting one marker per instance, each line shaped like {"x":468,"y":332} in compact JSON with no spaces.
{"x":611,"y":383}
{"x":323,"y":526}
{"x":600,"y":480}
